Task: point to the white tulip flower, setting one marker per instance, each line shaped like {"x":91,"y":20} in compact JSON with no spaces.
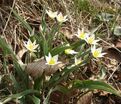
{"x":60,"y":18}
{"x":90,"y":39}
{"x":51,"y":60}
{"x":97,"y":52}
{"x":31,"y":46}
{"x":51,"y":14}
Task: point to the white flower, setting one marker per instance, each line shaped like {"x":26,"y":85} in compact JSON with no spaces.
{"x":97,"y":52}
{"x":77,"y":61}
{"x":90,"y":39}
{"x":51,"y":14}
{"x":70,"y":51}
{"x":61,"y":18}
{"x":31,"y":46}
{"x":51,"y":60}
{"x":81,"y":34}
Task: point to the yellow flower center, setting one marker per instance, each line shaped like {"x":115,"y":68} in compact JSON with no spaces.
{"x":60,"y":18}
{"x":52,"y":61}
{"x":82,"y":35}
{"x":90,"y":40}
{"x":96,"y":53}
{"x":67,"y":51}
{"x":30,"y":47}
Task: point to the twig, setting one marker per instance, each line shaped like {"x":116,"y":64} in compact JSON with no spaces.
{"x":110,"y":45}
{"x":3,"y":33}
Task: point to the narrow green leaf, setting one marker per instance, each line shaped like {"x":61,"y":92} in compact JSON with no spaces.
{"x":77,"y":44}
{"x":35,"y":99}
{"x":62,"y":89}
{"x":45,"y":47}
{"x":46,"y":100}
{"x":57,"y":78}
{"x":59,"y":49}
{"x":38,"y":83}
{"x":44,"y":25}
{"x":16,"y":84}
{"x":91,"y":85}
{"x":5,"y":47}
{"x":24,"y":23}
{"x":22,"y":75}
{"x":18,"y":96}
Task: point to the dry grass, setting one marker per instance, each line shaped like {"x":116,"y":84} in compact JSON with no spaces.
{"x":80,"y":15}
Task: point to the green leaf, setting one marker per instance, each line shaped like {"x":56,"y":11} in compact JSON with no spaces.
{"x":5,"y":47}
{"x":105,"y":16}
{"x":59,"y":49}
{"x":44,"y":25}
{"x":51,"y":34}
{"x":62,"y":89}
{"x":38,"y":83}
{"x":77,"y":44}
{"x":16,"y":84}
{"x":22,"y":75}
{"x":24,"y":23}
{"x":91,"y":85}
{"x":35,"y":99}
{"x":18,"y":96}
{"x":46,"y":100}
{"x":45,"y":47}
{"x":56,"y":77}
{"x":57,"y":88}
{"x":117,"y":30}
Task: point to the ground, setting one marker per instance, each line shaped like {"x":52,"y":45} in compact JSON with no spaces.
{"x":26,"y":77}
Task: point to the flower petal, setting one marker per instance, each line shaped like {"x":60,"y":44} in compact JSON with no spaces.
{"x":55,"y":58}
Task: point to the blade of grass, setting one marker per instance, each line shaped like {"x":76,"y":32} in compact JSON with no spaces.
{"x":24,"y":23}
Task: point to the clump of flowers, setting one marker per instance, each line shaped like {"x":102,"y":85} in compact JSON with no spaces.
{"x":90,"y":39}
{"x":60,"y":18}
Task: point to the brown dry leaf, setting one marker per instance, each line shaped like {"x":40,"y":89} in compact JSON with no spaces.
{"x":21,"y":53}
{"x":1,"y":65}
{"x":39,"y":67}
{"x":67,"y":33}
{"x":113,"y":54}
{"x":58,"y":97}
{"x":103,"y":93}
{"x":86,"y":99}
{"x":118,"y":44}
{"x":6,"y":2}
